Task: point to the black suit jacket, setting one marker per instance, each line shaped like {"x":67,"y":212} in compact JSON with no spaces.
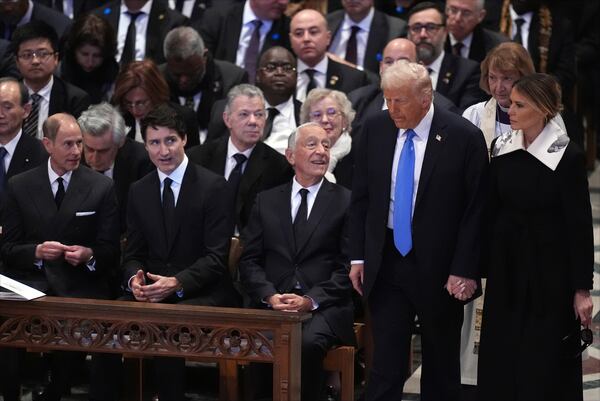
{"x":219,"y":78}
{"x":272,"y":264}
{"x":447,"y":218}
{"x":57,"y":20}
{"x":483,"y":41}
{"x":80,"y":7}
{"x":197,"y":252}
{"x":30,"y":217}
{"x":8,"y":67}
{"x":67,"y":98}
{"x":220,"y":28}
{"x":344,"y":78}
{"x":161,"y":20}
{"x":217,"y":127}
{"x":29,"y":153}
{"x":383,"y":29}
{"x":458,"y":80}
{"x":265,"y":169}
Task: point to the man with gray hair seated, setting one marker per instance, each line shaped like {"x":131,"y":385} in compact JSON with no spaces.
{"x":108,"y":150}
{"x":195,"y":79}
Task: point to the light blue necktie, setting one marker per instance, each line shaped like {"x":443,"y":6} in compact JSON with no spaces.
{"x":403,"y":195}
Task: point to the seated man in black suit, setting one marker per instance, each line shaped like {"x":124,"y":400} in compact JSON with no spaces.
{"x":60,"y":234}
{"x":295,"y":256}
{"x":149,"y":22}
{"x":242,"y":158}
{"x":466,"y":36}
{"x":455,"y":77}
{"x":368,"y":100}
{"x":35,"y":45}
{"x":310,"y":39}
{"x":240,"y":32}
{"x":360,"y":32}
{"x":177,"y":235}
{"x":108,"y":150}
{"x":196,"y":80}
{"x":16,"y":13}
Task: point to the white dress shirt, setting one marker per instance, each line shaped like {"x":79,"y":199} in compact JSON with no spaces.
{"x":10,"y":147}
{"x":188,"y":7}
{"x":466,"y":42}
{"x":420,"y":143}
{"x":177,"y":177}
{"x":296,"y":198}
{"x":320,"y":77}
{"x":248,"y":30}
{"x":230,"y":162}
{"x":141,"y":27}
{"x":283,"y":125}
{"x":340,"y":40}
{"x":52,"y":176}
{"x":435,"y":68}
{"x":524,"y":28}
{"x":44,"y":104}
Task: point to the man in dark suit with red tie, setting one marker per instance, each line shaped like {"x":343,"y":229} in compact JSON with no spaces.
{"x":177,"y":235}
{"x":417,"y":201}
{"x":295,"y":255}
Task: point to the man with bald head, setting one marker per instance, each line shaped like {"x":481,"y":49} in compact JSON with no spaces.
{"x":415,"y":227}
{"x":368,"y":100}
{"x":310,"y":39}
{"x":60,"y":227}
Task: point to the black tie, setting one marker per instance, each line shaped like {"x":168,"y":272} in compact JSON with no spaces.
{"x":456,"y":49}
{"x":518,"y":38}
{"x":189,"y":103}
{"x":129,"y":49}
{"x":30,"y":126}
{"x":60,"y":192}
{"x":179,"y":5}
{"x":251,"y":56}
{"x":235,"y":177}
{"x":351,"y":51}
{"x":2,"y":169}
{"x":273,"y":112}
{"x":312,"y":83}
{"x":168,"y":204}
{"x":301,"y":220}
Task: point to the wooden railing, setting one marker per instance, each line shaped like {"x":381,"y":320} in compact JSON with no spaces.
{"x":211,"y":333}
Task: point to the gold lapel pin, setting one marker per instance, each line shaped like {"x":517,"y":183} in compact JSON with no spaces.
{"x":333,"y":80}
{"x":161,"y":17}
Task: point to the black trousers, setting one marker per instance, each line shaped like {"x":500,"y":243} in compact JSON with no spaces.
{"x":401,"y":292}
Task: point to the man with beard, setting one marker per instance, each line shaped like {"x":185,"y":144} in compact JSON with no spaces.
{"x":195,"y":79}
{"x":455,"y":77}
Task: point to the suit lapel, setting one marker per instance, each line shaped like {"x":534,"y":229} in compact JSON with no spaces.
{"x":235,"y":20}
{"x":42,"y":198}
{"x":57,"y":95}
{"x":445,"y":75}
{"x":183,"y":203}
{"x":376,"y":105}
{"x":377,"y":40}
{"x":317,"y":212}
{"x":156,"y":24}
{"x":21,"y":158}
{"x":219,"y":157}
{"x":333,"y":80}
{"x":253,"y":171}
{"x":154,"y":208}
{"x":435,"y":144}
{"x":76,"y":192}
{"x":386,"y":147}
{"x":285,"y":214}
{"x":297,"y":107}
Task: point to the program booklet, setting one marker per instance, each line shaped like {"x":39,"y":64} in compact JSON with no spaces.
{"x":16,"y":291}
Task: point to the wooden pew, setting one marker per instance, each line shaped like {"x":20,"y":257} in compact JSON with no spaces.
{"x":224,"y":335}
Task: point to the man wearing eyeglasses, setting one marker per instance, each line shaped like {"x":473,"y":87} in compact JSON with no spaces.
{"x":35,"y":45}
{"x":455,"y":77}
{"x":466,"y":37}
{"x":242,"y":158}
{"x":196,"y":80}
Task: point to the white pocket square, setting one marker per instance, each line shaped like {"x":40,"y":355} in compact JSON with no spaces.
{"x":82,"y":214}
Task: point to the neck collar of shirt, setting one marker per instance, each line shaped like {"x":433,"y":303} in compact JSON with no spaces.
{"x":466,"y":41}
{"x":527,"y":16}
{"x":364,"y":24}
{"x":177,"y":174}
{"x":283,"y":108}
{"x":232,"y":150}
{"x":11,"y":145}
{"x":436,"y":66}
{"x":321,"y":66}
{"x":313,"y":189}
{"x":53,"y":176}
{"x":146,"y":9}
{"x":45,"y":91}
{"x":249,"y":16}
{"x":422,"y":129}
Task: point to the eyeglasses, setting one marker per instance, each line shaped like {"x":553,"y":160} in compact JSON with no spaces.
{"x":140,"y":104}
{"x":330,"y":113}
{"x":451,"y":10}
{"x":430,"y":28}
{"x":586,"y":336}
{"x":42,"y":55}
{"x":285,"y":67}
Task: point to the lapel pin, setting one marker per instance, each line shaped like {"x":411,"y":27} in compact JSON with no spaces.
{"x":447,"y":77}
{"x":438,"y":138}
{"x":333,"y":80}
{"x":161,"y":17}
{"x":26,"y":160}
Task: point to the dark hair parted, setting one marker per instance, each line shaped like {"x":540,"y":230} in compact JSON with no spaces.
{"x":23,"y":92}
{"x":506,"y":57}
{"x":163,"y":116}
{"x":543,"y":91}
{"x":89,"y":29}
{"x":426,"y":5}
{"x":34,"y":30}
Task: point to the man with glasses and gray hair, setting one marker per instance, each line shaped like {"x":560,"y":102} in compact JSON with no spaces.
{"x":455,"y":77}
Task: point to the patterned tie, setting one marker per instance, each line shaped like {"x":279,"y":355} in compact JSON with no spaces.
{"x":312,"y":82}
{"x":456,"y":49}
{"x":168,"y":204}
{"x":403,"y":195}
{"x":301,"y":220}
{"x":60,"y":193}
{"x":518,"y":38}
{"x":351,"y":51}
{"x":129,"y":49}
{"x":3,"y":153}
{"x":30,"y":126}
{"x":273,"y":112}
{"x":251,"y":56}
{"x":189,"y":103}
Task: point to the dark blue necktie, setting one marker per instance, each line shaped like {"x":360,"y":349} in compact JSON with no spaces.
{"x":403,"y":195}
